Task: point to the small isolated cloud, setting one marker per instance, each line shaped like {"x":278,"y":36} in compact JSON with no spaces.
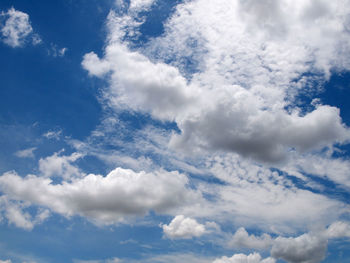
{"x":307,"y":248}
{"x":16,"y":29}
{"x":241,"y":239}
{"x":182,"y":227}
{"x":55,"y":51}
{"x":53,"y":134}
{"x":26,"y":153}
{"x":242,"y":258}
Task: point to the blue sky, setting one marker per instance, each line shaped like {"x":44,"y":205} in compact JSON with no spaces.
{"x":174,"y":131}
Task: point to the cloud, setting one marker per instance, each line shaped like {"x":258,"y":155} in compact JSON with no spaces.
{"x":16,"y":29}
{"x":241,"y":239}
{"x":254,"y":196}
{"x":242,"y":258}
{"x":60,"y":166}
{"x":338,"y":229}
{"x":241,"y":97}
{"x":171,"y":258}
{"x":53,"y":134}
{"x":307,"y":248}
{"x":182,"y":227}
{"x":5,"y":261}
{"x":55,"y":51}
{"x":15,"y":214}
{"x":104,"y":200}
{"x":112,"y":260}
{"x":26,"y":153}
{"x":140,"y":5}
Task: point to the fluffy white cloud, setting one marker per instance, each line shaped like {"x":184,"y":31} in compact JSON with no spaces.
{"x":16,"y":28}
{"x":242,"y":239}
{"x":61,"y":166}
{"x":15,"y":214}
{"x":140,"y":5}
{"x":26,"y":153}
{"x":182,"y":227}
{"x":242,"y":258}
{"x":241,"y":96}
{"x":106,"y":199}
{"x":338,"y":230}
{"x":306,"y":248}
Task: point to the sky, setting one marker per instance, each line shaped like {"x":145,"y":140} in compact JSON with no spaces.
{"x":174,"y":131}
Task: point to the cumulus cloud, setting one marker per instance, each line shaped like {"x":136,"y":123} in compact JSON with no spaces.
{"x":5,"y":261}
{"x":102,"y":199}
{"x":241,"y":239}
{"x":338,"y":229}
{"x":60,"y":166}
{"x":182,"y":227}
{"x":307,"y":248}
{"x":26,"y":153}
{"x":16,"y":27}
{"x":241,"y":97}
{"x":242,"y":258}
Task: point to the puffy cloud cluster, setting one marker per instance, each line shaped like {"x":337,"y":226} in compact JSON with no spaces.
{"x":15,"y":28}
{"x":182,"y":227}
{"x":241,"y":96}
{"x":242,"y":239}
{"x":104,"y":199}
{"x":306,"y":248}
{"x":242,"y":258}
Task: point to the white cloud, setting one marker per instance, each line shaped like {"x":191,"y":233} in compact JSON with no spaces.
{"x":15,"y":214}
{"x":53,"y":134}
{"x":241,"y":239}
{"x":55,"y":51}
{"x":338,"y":229}
{"x":242,"y":258}
{"x":108,"y":199}
{"x":16,"y":28}
{"x":26,"y":153}
{"x":327,"y":167}
{"x":112,"y":260}
{"x":171,"y":258}
{"x":307,"y":248}
{"x":5,"y":261}
{"x":238,"y":97}
{"x":254,"y":196}
{"x":182,"y":227}
{"x":60,"y":166}
{"x":140,"y":5}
